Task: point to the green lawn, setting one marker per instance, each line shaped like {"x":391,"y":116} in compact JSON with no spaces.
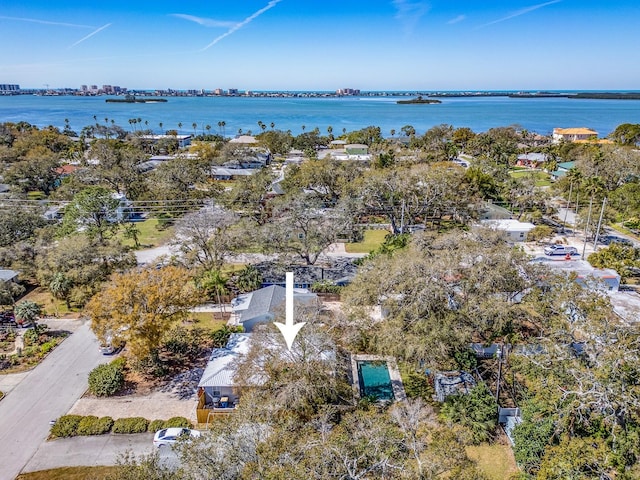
{"x":372,"y":240}
{"x":149,"y":236}
{"x":496,"y":460}
{"x":50,"y":305}
{"x":542,"y":178}
{"x":208,"y":320}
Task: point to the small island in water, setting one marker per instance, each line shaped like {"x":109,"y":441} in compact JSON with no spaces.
{"x":133,"y":99}
{"x":420,"y":100}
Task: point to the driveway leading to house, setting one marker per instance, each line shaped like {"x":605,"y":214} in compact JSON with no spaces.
{"x":88,"y":451}
{"x":45,"y":393}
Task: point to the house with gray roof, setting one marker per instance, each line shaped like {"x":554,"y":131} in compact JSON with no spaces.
{"x":9,"y":276}
{"x":261,"y":306}
{"x":452,"y":383}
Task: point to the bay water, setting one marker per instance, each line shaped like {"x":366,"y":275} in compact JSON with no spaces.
{"x":300,"y":114}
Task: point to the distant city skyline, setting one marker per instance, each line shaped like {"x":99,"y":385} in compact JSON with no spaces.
{"x":282,"y":45}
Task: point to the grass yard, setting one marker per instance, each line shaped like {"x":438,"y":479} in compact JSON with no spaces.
{"x":542,"y":178}
{"x":69,"y":473}
{"x":149,"y":236}
{"x":372,"y":240}
{"x":50,"y":305}
{"x":496,"y":460}
{"x":208,"y":320}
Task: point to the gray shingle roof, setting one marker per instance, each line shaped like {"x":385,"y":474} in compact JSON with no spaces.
{"x":263,"y":301}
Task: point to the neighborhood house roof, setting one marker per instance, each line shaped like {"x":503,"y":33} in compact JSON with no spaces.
{"x":533,"y":157}
{"x":265,"y":301}
{"x":452,"y":383}
{"x":8,"y":275}
{"x":509,"y":225}
{"x":574,"y":131}
{"x":221,"y":369}
{"x":244,"y":139}
{"x":338,"y":271}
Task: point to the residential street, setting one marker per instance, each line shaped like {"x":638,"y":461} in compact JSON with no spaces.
{"x":44,"y":394}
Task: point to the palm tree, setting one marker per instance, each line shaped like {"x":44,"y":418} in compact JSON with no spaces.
{"x":215,"y":283}
{"x":179,"y":125}
{"x":207,"y":128}
{"x":194,"y":125}
{"x":220,"y":126}
{"x":393,"y":132}
{"x":248,"y":279}
{"x":60,"y":287}
{"x":223,"y":125}
{"x":27,"y":312}
{"x":273,"y":125}
{"x":160,"y":125}
{"x":304,"y":127}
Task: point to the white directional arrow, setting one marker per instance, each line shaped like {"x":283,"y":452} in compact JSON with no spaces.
{"x":289,"y":329}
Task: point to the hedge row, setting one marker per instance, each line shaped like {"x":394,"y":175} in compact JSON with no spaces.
{"x":74,"y":425}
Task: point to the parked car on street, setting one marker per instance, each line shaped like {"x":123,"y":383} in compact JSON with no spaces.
{"x":560,"y":250}
{"x":169,"y":436}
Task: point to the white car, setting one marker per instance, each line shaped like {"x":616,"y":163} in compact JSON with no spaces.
{"x":560,"y":250}
{"x":169,"y":436}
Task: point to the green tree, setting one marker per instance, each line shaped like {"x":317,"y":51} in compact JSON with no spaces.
{"x":61,"y":287}
{"x":95,"y":209}
{"x":83,"y":262}
{"x":248,"y":279}
{"x":627,"y":134}
{"x":477,"y":411}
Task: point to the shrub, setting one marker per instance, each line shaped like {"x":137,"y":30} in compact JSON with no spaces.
{"x":66,"y":426}
{"x":105,"y":380}
{"x":177,"y":422}
{"x":130,"y":425}
{"x":155,"y":426}
{"x":47,"y":346}
{"x":91,"y":425}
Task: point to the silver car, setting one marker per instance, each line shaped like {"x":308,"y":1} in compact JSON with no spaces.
{"x":560,"y":250}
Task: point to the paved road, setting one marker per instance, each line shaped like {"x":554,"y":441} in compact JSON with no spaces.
{"x":89,"y":451}
{"x":46,"y":393}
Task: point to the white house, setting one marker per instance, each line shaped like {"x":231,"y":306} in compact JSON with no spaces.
{"x":218,"y":379}
{"x":515,"y":230}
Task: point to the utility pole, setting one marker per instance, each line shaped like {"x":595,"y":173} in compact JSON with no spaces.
{"x":595,"y":242}
{"x":564,"y":223}
{"x":402,"y":219}
{"x":586,"y":227}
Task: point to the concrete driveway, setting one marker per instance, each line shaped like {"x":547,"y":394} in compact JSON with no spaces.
{"x":45,"y":393}
{"x":88,"y":451}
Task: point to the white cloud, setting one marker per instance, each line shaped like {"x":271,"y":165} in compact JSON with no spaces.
{"x":90,"y":35}
{"x":409,"y":13}
{"x":457,"y":19}
{"x":521,"y":12}
{"x":46,"y":22}
{"x":205,"y":22}
{"x":243,"y":23}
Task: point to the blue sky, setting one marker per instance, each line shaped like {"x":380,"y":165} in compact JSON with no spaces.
{"x":322,"y":45}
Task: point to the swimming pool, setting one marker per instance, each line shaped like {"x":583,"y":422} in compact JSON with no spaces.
{"x":374,"y":379}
